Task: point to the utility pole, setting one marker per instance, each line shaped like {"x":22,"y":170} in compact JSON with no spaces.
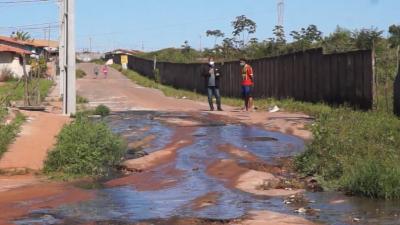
{"x":68,"y":62}
{"x":90,"y":44}
{"x":61,"y":48}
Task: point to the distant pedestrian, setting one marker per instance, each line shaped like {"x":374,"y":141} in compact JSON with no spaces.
{"x":105,"y":71}
{"x":96,"y":71}
{"x":212,"y":75}
{"x":247,"y":84}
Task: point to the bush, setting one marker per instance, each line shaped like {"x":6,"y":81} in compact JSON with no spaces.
{"x":102,"y":110}
{"x":85,"y":148}
{"x":6,"y":74}
{"x":80,"y":74}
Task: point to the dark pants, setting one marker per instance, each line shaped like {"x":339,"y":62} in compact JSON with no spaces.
{"x":214,"y":91}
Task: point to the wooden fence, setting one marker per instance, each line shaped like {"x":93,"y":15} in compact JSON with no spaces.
{"x":306,"y":76}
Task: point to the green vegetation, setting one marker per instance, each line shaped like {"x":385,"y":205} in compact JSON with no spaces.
{"x":80,"y":74}
{"x":81,"y":100}
{"x":353,"y":151}
{"x":9,"y":132}
{"x":102,"y":110}
{"x":15,"y":90}
{"x":356,"y":152}
{"x":84,"y":148}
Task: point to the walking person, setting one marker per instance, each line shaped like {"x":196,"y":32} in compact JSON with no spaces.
{"x":247,"y":84}
{"x":96,"y":71}
{"x":105,"y":71}
{"x":212,"y":75}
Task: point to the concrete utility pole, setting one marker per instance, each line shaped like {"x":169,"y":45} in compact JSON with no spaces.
{"x":67,"y":60}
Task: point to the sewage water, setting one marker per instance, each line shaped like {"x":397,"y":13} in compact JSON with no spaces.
{"x":127,"y":204}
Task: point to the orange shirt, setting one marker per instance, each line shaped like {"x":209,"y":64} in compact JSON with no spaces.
{"x":247,"y":75}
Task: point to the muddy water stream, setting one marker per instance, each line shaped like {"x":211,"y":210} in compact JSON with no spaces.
{"x":186,"y":178}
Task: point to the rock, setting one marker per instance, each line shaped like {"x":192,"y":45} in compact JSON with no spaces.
{"x":301,"y":210}
{"x":313,"y":185}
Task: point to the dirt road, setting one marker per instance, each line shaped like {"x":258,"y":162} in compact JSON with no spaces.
{"x":120,"y":94}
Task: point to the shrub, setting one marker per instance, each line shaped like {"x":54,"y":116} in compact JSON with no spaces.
{"x":102,"y":110}
{"x":80,"y":74}
{"x":6,"y":74}
{"x":85,"y":148}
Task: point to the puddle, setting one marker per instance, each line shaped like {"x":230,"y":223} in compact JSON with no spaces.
{"x":128,"y":204}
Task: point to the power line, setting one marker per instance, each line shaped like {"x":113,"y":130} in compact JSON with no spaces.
{"x":27,"y":1}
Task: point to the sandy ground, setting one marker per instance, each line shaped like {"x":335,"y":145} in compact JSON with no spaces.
{"x":120,"y":94}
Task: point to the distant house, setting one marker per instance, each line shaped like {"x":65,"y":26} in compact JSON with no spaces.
{"x":36,"y":47}
{"x":11,"y":58}
{"x":12,"y":50}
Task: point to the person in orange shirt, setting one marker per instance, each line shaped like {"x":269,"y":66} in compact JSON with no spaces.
{"x":247,"y":84}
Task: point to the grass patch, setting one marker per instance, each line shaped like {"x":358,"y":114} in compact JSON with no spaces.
{"x":353,"y":151}
{"x":10,"y":131}
{"x":80,"y":74}
{"x":84,"y":148}
{"x":16,"y":92}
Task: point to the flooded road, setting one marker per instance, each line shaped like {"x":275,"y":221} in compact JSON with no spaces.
{"x":195,"y":164}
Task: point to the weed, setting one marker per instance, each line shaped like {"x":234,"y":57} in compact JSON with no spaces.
{"x":80,"y":74}
{"x":84,"y":148}
{"x":81,"y":100}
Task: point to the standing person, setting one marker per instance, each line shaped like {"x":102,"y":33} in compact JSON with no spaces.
{"x":212,"y":76}
{"x":247,"y":84}
{"x":96,"y":71}
{"x":105,"y":71}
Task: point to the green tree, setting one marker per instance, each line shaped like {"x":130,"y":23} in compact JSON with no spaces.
{"x":21,"y":35}
{"x":306,"y":37}
{"x":279,"y":33}
{"x":367,"y":38}
{"x":216,"y":34}
{"x":243,"y":26}
{"x":339,"y":41}
{"x":394,"y":41}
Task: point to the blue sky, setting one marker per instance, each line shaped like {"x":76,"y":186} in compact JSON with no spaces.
{"x":155,"y":24}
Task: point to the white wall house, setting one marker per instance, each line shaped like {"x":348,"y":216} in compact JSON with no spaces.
{"x":11,"y":58}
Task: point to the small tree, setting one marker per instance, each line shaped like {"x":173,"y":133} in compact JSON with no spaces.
{"x":24,"y":36}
